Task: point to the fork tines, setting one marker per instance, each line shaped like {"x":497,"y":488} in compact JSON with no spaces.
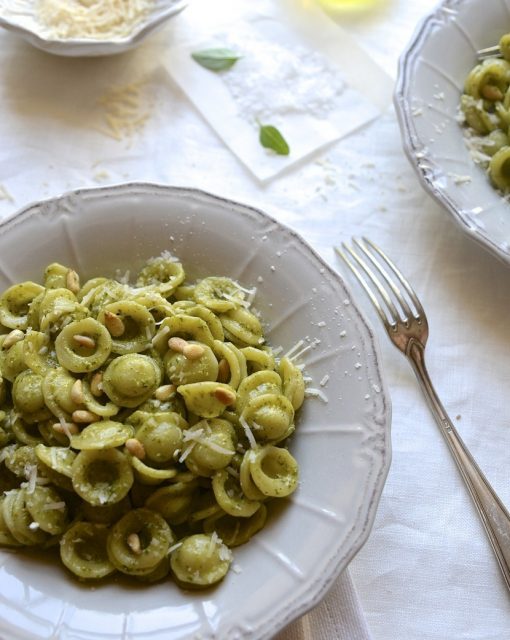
{"x":389,"y":291}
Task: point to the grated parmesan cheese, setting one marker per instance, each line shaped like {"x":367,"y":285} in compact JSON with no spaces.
{"x":188,"y":435}
{"x":297,"y":346}
{"x":124,"y":112}
{"x":6,"y":452}
{"x":31,"y":476}
{"x":225,"y":553}
{"x":215,"y":540}
{"x":65,"y":428}
{"x":316,"y":393}
{"x":248,"y":432}
{"x":93,"y":19}
{"x":301,"y":352}
{"x":161,"y":333}
{"x":174,"y":547}
{"x":324,"y":380}
{"x":187,"y":451}
{"x":232,"y":472}
{"x":251,"y":296}
{"x":197,"y":438}
{"x":57,"y":506}
{"x":459,"y":179}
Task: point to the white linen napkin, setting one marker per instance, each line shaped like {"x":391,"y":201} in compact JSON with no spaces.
{"x":338,"y":617}
{"x":298,"y":71}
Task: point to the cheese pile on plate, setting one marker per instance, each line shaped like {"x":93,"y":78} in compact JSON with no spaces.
{"x":94,"y":19}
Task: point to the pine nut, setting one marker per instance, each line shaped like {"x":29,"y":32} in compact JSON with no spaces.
{"x":77,"y":392}
{"x":133,"y":542}
{"x":193,"y":351}
{"x":491,"y":92}
{"x":114,"y":324}
{"x":73,"y":281}
{"x":177,"y":344}
{"x":164,"y":392}
{"x":82,"y":416}
{"x":135,"y":448}
{"x":11,"y":338}
{"x":84,"y":341}
{"x":96,"y":384}
{"x":66,"y":427}
{"x":223,"y":371}
{"x":225,"y":396}
{"x":189,"y":351}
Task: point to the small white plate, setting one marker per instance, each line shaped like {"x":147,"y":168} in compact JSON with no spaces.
{"x":431,"y":76}
{"x":19,"y":16}
{"x":342,"y":446}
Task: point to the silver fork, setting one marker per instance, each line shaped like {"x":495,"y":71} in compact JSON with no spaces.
{"x":406,"y":324}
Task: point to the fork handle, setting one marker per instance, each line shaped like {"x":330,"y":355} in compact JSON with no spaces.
{"x":494,"y":516}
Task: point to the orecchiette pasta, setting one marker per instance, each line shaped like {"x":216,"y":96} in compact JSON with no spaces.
{"x":200,"y":560}
{"x":15,"y":304}
{"x":83,"y":345}
{"x":83,"y":550}
{"x":139,"y":541}
{"x":130,"y":324}
{"x":131,"y":379}
{"x":181,"y":369}
{"x":142,"y":427}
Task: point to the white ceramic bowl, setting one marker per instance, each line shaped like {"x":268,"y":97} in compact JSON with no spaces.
{"x":432,"y":72}
{"x":342,"y":446}
{"x":20,"y":17}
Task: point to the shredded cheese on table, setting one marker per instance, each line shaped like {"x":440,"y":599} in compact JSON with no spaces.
{"x":125,"y":111}
{"x":93,"y":19}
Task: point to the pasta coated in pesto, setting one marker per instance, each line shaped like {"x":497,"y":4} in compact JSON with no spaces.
{"x":485,"y":110}
{"x":83,"y":550}
{"x":201,"y":560}
{"x":143,"y":427}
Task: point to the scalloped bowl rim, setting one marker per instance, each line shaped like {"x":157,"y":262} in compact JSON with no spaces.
{"x":75,"y":47}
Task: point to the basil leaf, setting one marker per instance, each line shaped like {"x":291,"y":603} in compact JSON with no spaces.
{"x":216,"y":59}
{"x":271,"y":138}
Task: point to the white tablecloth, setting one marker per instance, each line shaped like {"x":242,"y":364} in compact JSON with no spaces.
{"x":426,"y":571}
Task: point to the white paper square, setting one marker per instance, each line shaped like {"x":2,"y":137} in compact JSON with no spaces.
{"x":298,"y":72}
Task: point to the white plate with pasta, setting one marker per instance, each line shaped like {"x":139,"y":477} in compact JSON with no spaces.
{"x":76,"y":28}
{"x":432,"y":74}
{"x":148,"y":299}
